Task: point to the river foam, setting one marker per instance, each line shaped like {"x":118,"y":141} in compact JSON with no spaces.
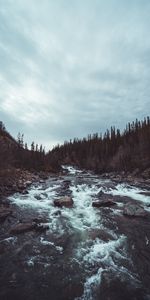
{"x":94,"y":253}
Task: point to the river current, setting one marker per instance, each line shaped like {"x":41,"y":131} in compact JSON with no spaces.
{"x":87,"y":253}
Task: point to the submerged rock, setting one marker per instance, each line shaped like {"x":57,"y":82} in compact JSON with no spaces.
{"x":103,"y":203}
{"x":134,"y":210}
{"x":64,"y":201}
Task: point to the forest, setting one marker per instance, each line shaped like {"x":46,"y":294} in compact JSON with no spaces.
{"x":113,"y":151}
{"x":15,"y":153}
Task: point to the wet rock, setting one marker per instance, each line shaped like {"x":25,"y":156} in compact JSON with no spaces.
{"x":57,"y":213}
{"x":22,"y":227}
{"x":23,"y":248}
{"x":64,"y":201}
{"x":25,"y":192}
{"x":115,"y":287}
{"x":40,"y":220}
{"x":103,"y":203}
{"x":37,"y":197}
{"x":4,"y":213}
{"x":43,"y":176}
{"x":29,"y":182}
{"x":41,"y":227}
{"x":145,"y":193}
{"x":2,"y":249}
{"x":135,"y":172}
{"x":72,"y":291}
{"x":41,"y":181}
{"x":44,"y":195}
{"x":146,"y":174}
{"x":134,"y":210}
{"x":100,"y":194}
{"x":66,"y":184}
{"x":101,"y":234}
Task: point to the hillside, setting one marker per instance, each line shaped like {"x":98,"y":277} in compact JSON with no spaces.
{"x":8,"y":146}
{"x":114,"y":151}
{"x":19,"y":165}
{"x":15,"y":153}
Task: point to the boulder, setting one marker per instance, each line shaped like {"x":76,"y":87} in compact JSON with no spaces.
{"x":103,"y":203}
{"x":64,"y":201}
{"x":4,"y":213}
{"x":100,"y":194}
{"x":22,"y":227}
{"x":100,"y":234}
{"x":134,"y":210}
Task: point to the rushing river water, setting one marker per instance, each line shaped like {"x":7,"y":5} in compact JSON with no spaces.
{"x":87,"y":253}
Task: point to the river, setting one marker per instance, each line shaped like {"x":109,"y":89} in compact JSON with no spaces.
{"x":86,"y":253}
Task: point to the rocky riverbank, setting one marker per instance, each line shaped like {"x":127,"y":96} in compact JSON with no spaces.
{"x":135,"y":178}
{"x":14,"y":180}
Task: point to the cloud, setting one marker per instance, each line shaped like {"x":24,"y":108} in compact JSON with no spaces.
{"x":69,"y":68}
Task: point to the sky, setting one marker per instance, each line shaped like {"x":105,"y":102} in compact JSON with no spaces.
{"x":73,"y":67}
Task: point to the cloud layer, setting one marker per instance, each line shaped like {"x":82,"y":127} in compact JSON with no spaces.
{"x":69,"y":68}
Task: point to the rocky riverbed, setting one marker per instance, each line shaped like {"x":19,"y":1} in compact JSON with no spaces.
{"x":76,"y":236}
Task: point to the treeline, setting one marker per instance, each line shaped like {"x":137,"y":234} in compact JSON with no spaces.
{"x":112,"y":151}
{"x":15,"y":153}
{"x":33,"y":158}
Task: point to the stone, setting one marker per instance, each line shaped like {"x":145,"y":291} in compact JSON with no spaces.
{"x":41,"y":181}
{"x":4,"y":213}
{"x":135,"y":172}
{"x":146,"y":174}
{"x":22,"y":227}
{"x":73,"y":291}
{"x":100,"y":234}
{"x":64,"y":201}
{"x":57,"y":213}
{"x":37,"y":197}
{"x":147,"y":193}
{"x":40,"y":219}
{"x":103,"y":203}
{"x":41,"y":227}
{"x":100,"y":194}
{"x":28,"y":182}
{"x":25,"y":192}
{"x":44,"y":194}
{"x":134,"y":210}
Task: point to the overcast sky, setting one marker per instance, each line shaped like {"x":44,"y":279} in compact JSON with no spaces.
{"x":73,"y":67}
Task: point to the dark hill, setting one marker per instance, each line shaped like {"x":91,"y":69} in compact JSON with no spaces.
{"x":8,"y":148}
{"x":112,"y":152}
{"x":19,"y":165}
